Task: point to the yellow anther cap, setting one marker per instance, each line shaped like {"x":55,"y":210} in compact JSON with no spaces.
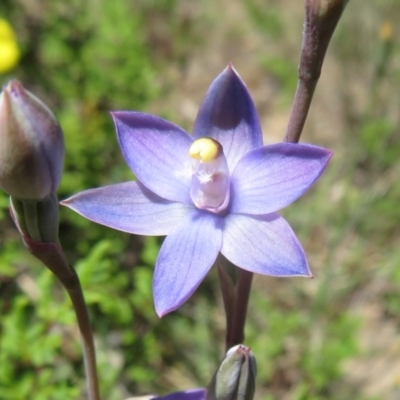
{"x":205,"y":149}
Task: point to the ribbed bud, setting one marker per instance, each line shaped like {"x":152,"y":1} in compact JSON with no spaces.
{"x":235,"y":377}
{"x":31,"y":145}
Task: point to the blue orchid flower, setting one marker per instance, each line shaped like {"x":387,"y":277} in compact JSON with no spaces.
{"x":215,"y":191}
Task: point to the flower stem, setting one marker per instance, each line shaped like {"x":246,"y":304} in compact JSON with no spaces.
{"x":235,"y":295}
{"x":228,"y":296}
{"x":74,"y":289}
{"x":52,"y":256}
{"x":243,"y":287}
{"x":321,"y":19}
{"x":301,"y":105}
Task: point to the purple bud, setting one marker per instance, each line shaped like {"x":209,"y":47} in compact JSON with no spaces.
{"x":321,"y":19}
{"x":31,"y":145}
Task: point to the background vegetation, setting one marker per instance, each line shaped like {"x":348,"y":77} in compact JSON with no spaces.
{"x":333,"y":337}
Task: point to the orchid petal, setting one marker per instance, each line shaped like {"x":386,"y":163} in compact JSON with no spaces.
{"x":157,"y":152}
{"x":229,"y":116}
{"x":263,"y":244}
{"x":271,"y":177}
{"x":128,"y":207}
{"x":185,"y":257}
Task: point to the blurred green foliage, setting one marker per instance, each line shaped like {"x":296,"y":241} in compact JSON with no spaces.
{"x":86,"y":58}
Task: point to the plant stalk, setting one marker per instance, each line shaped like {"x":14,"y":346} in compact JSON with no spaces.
{"x":235,"y":295}
{"x":243,"y":288}
{"x":52,"y":256}
{"x":321,"y":19}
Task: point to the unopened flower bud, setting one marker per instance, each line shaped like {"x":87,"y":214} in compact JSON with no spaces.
{"x":321,"y":9}
{"x":235,"y":377}
{"x":31,"y":145}
{"x":321,"y":18}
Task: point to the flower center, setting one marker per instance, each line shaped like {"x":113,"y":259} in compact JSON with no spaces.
{"x":210,"y":175}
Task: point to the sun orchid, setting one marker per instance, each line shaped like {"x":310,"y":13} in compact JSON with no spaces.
{"x":215,"y":191}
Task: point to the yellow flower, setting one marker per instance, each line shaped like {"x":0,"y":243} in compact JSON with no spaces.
{"x":386,"y":32}
{"x":9,"y":50}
